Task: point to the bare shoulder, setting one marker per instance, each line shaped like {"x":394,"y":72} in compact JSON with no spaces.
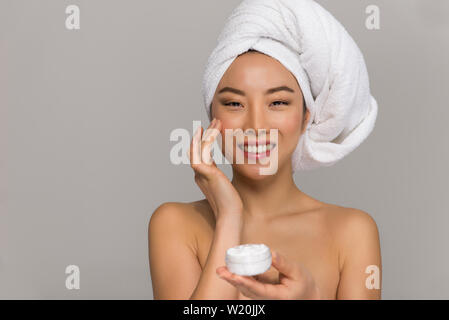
{"x":346,"y":225}
{"x":354,"y":231}
{"x":346,"y":221}
{"x":182,"y":216}
{"x":351,"y":221}
{"x":173,"y":241}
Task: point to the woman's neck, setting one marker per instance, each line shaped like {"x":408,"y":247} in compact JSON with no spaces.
{"x":267,"y":197}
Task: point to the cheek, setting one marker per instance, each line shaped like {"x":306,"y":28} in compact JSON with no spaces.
{"x":289,"y":126}
{"x":230,"y":124}
{"x":289,"y":133}
{"x":292,"y":126}
{"x":228,"y":121}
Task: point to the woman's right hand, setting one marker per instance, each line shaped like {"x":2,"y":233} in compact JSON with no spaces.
{"x":219,"y":191}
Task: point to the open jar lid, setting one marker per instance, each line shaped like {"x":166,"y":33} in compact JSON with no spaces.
{"x":247,"y":253}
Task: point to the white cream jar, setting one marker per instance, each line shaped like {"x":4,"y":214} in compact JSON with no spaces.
{"x":248,"y":259}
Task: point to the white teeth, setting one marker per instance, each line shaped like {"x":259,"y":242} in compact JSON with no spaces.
{"x":257,"y":149}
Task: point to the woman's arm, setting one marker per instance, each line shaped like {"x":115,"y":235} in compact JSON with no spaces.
{"x":175,"y":270}
{"x":173,"y":264}
{"x":360,"y":259}
{"x":210,"y":286}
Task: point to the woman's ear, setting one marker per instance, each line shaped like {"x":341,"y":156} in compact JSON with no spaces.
{"x":305,"y":121}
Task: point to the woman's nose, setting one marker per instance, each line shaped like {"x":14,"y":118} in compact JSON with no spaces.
{"x":256,"y":119}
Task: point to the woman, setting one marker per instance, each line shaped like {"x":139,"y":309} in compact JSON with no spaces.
{"x":320,"y":250}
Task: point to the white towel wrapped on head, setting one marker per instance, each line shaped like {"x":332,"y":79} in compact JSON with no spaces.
{"x":323,"y":57}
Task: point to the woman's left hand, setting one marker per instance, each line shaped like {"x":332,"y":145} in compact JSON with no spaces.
{"x":295,"y":282}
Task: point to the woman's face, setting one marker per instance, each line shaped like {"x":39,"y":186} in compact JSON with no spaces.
{"x":244,"y":100}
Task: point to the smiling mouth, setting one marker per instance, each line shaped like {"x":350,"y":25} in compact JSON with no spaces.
{"x":255,"y":149}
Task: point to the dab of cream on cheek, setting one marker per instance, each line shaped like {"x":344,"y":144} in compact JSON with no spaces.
{"x":248,"y":259}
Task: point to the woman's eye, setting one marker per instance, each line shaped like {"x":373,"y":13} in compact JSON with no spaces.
{"x":238,"y":105}
{"x":279,"y":103}
{"x":232,"y":104}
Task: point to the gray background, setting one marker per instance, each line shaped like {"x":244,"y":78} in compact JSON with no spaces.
{"x":85,"y":119}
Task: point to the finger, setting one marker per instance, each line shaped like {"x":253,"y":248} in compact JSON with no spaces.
{"x":206,"y":147}
{"x":224,"y":272}
{"x":195,"y":154}
{"x":217,"y":132}
{"x":208,"y":130}
{"x":251,"y":286}
{"x":266,"y":278}
{"x":257,"y":288}
{"x":249,"y":293}
{"x":225,"y":275}
{"x":288,"y":269}
{"x":221,"y":270}
{"x":203,"y":137}
{"x":244,"y":290}
{"x":190,"y":152}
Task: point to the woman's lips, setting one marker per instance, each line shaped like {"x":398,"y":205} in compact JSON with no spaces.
{"x":253,"y":150}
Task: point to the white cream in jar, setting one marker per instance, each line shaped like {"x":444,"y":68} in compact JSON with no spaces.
{"x":248,"y":259}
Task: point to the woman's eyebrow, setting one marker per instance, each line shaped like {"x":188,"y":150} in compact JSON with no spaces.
{"x":269,"y":91}
{"x":281,"y":88}
{"x":233,"y":90}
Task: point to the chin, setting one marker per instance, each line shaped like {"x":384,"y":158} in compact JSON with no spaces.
{"x":253,"y":171}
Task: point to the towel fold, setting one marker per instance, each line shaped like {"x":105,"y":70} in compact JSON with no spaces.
{"x":323,"y":57}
